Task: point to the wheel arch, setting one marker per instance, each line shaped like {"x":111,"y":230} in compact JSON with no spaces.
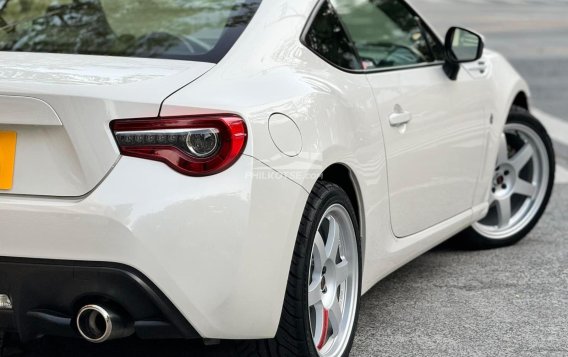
{"x":342,"y":175}
{"x":521,"y":100}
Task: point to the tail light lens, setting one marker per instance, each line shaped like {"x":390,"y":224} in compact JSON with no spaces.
{"x":192,"y":145}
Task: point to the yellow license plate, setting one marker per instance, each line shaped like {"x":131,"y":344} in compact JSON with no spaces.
{"x":7,"y":159}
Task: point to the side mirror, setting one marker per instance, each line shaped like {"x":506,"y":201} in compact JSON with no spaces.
{"x":461,"y":46}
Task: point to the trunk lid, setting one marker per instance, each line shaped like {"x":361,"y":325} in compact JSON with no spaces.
{"x":60,"y":107}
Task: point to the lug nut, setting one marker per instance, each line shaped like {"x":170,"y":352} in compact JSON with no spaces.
{"x":324,"y":270}
{"x":506,"y":173}
{"x":504,"y":187}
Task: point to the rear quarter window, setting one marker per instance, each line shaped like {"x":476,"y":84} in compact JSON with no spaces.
{"x":200,"y":30}
{"x":327,"y":37}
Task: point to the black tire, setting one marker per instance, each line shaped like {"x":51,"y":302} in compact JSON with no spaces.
{"x":293,"y":337}
{"x":472,"y":239}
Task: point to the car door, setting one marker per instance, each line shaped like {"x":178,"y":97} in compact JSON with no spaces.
{"x":434,"y":128}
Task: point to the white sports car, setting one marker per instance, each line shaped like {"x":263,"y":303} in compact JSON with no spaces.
{"x":245,"y":169}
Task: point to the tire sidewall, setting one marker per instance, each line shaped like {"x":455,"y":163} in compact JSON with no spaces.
{"x":525,"y":118}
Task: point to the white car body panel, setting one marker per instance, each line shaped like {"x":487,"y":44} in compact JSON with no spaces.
{"x":435,"y":159}
{"x":220,"y":247}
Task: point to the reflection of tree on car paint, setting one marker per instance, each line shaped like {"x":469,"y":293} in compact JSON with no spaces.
{"x":158,"y":28}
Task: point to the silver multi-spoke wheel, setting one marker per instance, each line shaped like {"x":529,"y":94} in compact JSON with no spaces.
{"x":519,"y":184}
{"x":333,"y":282}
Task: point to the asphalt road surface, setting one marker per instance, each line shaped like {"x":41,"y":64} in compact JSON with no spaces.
{"x":506,"y":302}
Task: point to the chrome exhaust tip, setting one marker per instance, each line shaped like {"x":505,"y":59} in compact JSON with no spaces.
{"x":98,"y":324}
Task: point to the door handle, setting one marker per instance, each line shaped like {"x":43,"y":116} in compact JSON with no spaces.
{"x":398,"y":119}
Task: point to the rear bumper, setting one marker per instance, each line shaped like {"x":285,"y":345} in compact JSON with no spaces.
{"x":46,"y":296}
{"x":219,"y":247}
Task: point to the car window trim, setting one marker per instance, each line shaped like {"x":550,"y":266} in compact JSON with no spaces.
{"x":315,"y":13}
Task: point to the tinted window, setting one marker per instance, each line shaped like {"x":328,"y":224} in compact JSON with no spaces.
{"x":327,"y":37}
{"x":386,"y":33}
{"x":202,"y":30}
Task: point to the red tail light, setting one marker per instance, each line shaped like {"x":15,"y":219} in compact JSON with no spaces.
{"x":193,"y":145}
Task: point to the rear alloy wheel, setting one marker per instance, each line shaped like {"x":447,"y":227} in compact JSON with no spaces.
{"x":333,"y":282}
{"x":321,"y":306}
{"x":521,"y":185}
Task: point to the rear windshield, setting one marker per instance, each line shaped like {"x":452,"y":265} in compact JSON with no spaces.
{"x":197,"y":30}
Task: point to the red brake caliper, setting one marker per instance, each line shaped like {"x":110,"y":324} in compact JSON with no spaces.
{"x":325,"y":325}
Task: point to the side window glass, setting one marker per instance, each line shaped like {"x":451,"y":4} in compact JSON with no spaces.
{"x":328,"y":38}
{"x":386,"y":33}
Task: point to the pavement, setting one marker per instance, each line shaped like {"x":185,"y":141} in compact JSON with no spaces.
{"x":505,"y":302}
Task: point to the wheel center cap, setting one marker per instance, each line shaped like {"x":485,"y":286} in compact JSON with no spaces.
{"x":504,"y":180}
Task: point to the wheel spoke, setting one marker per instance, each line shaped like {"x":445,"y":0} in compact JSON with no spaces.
{"x":321,"y":319}
{"x":525,"y":188}
{"x":335,"y":316}
{"x":314,"y":292}
{"x":503,"y":154}
{"x":332,"y":243}
{"x":342,"y":272}
{"x":504,"y":211}
{"x":319,"y":253}
{"x":522,"y":157}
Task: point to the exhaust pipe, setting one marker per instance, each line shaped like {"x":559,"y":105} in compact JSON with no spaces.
{"x":98,"y":324}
